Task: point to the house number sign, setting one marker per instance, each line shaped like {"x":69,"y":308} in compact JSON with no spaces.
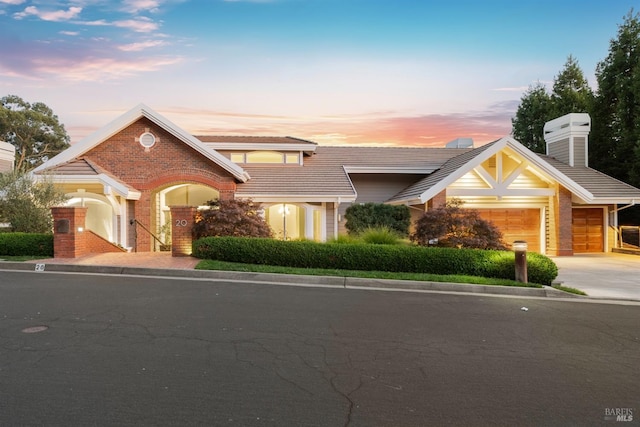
{"x":181,"y":222}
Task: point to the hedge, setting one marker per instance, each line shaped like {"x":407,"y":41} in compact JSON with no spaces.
{"x":360,"y":256}
{"x":26,"y":244}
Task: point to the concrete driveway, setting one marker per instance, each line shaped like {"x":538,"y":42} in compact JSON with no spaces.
{"x":603,"y":275}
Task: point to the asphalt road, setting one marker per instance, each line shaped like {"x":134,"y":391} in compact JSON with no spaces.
{"x":154,"y":351}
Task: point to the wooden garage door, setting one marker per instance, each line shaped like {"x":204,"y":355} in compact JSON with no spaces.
{"x":516,"y":224}
{"x":588,"y":228}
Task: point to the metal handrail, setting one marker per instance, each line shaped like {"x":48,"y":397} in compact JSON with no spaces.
{"x":156,"y":238}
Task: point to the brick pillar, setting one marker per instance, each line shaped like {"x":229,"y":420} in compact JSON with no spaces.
{"x":182,"y":220}
{"x":438,"y":201}
{"x":69,"y":232}
{"x":560,"y":223}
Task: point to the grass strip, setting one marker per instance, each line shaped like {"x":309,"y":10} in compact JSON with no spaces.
{"x":570,"y":290}
{"x":254,"y":268}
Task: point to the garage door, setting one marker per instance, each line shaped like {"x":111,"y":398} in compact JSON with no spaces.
{"x":516,"y":224}
{"x":588,"y":230}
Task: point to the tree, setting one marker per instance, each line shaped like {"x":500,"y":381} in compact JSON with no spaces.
{"x":615,"y":139}
{"x":571,"y":94}
{"x":236,"y":218}
{"x":571,"y":91}
{"x":26,"y":203}
{"x":535,"y":109}
{"x":453,"y":226}
{"x":33,"y":129}
{"x":365,"y":216}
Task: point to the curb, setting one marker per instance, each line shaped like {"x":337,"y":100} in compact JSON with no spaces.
{"x":288,"y":279}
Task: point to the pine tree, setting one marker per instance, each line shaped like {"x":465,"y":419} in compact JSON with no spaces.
{"x":615,"y":139}
{"x":534,"y":110}
{"x":571,"y":91}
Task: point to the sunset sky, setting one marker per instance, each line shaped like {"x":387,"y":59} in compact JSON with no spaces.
{"x":385,"y":72}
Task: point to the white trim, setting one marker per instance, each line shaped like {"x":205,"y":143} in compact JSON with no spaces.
{"x":294,"y":199}
{"x":528,"y":155}
{"x":499,"y":192}
{"x":103,"y":179}
{"x":127,"y":119}
{"x":394,"y":170}
{"x":242,"y":146}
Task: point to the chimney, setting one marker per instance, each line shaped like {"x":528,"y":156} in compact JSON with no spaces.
{"x":567,"y":138}
{"x":7,"y":156}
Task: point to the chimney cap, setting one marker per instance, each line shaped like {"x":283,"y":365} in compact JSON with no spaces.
{"x":572,"y":122}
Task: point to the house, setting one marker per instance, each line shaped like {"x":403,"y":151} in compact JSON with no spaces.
{"x":131,"y":171}
{"x":7,"y":156}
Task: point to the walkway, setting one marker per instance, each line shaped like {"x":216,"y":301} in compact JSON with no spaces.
{"x":610,"y":275}
{"x":133,"y":259}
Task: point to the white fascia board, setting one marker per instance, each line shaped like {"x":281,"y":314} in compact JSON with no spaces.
{"x":614,"y":201}
{"x":390,"y":170}
{"x":407,"y":202}
{"x":102,"y":179}
{"x":248,"y":146}
{"x":554,"y":173}
{"x":467,"y":167}
{"x":296,"y":199}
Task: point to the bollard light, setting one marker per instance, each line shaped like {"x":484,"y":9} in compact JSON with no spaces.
{"x":520,"y":248}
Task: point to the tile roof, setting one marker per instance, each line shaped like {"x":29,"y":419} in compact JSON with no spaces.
{"x":323,"y":174}
{"x":596,"y":182}
{"x":451,"y":165}
{"x":83,"y":166}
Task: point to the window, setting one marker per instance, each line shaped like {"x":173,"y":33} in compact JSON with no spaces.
{"x":292,"y":158}
{"x":266,"y":157}
{"x":237,"y":157}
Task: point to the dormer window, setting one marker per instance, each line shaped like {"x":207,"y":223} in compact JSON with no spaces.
{"x":266,"y":157}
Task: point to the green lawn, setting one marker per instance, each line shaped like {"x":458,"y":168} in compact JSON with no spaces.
{"x":232,"y":266}
{"x":19,"y":258}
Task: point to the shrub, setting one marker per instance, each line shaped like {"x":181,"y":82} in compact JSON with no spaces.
{"x":360,"y":256}
{"x":374,"y":215}
{"x":26,"y":203}
{"x":379,"y":236}
{"x":26,"y":244}
{"x":455,"y":227}
{"x":239,"y":218}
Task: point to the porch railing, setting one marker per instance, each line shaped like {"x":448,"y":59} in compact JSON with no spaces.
{"x":156,"y":239}
{"x":629,"y":237}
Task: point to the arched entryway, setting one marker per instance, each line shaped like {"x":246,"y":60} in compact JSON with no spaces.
{"x":181,"y":194}
{"x":101,"y":214}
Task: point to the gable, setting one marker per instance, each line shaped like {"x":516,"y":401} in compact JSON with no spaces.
{"x":120,"y":124}
{"x":503,"y":174}
{"x":125,"y":156}
{"x":520,"y":168}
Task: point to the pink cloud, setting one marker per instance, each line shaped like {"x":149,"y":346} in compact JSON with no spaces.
{"x":100,"y":69}
{"x":137,"y":47}
{"x":55,"y":16}
{"x":372,"y":129}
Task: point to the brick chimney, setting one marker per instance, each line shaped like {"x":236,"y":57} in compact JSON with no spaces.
{"x":567,"y":138}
